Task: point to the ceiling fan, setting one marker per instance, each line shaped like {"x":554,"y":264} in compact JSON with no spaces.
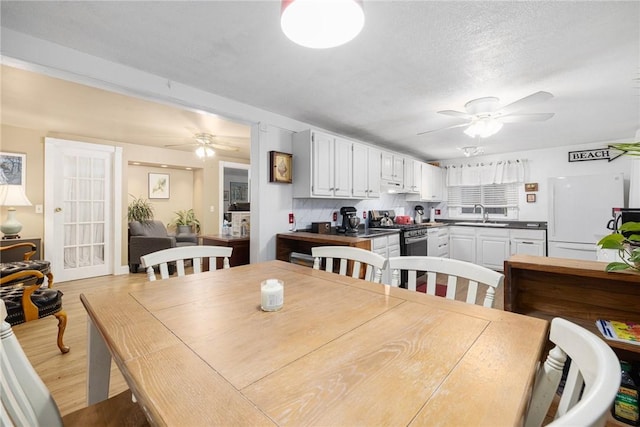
{"x":206,"y":142}
{"x":484,"y":116}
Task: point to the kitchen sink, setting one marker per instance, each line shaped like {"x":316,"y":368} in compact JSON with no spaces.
{"x":482,"y":224}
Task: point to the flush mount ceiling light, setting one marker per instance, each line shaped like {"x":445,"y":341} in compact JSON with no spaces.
{"x":471,"y":151}
{"x":321,"y":24}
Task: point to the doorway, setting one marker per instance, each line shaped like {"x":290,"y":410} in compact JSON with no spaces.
{"x":235,"y":188}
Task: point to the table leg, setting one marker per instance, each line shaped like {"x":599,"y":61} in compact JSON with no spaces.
{"x":98,"y":366}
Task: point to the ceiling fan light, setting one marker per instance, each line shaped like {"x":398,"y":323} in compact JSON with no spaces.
{"x":484,"y":127}
{"x":203,"y":152}
{"x":321,"y":24}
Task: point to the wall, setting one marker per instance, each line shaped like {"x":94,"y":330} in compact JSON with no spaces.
{"x":181,"y":195}
{"x":545,"y":163}
{"x":29,"y":142}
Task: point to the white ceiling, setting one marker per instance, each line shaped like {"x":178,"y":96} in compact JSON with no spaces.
{"x":412,"y":59}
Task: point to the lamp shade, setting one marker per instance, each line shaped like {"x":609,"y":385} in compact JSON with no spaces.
{"x":321,"y":24}
{"x":204,"y":151}
{"x":13,"y":195}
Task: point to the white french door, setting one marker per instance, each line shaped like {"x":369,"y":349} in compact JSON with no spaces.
{"x":79,"y":183}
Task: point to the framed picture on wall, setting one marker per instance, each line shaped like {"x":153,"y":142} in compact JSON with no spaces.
{"x":238,"y":192}
{"x":158,"y":185}
{"x":280,"y":167}
{"x":13,"y":168}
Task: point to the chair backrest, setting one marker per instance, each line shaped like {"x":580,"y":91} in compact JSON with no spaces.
{"x":180,"y":254}
{"x":593,"y":365}
{"x":26,"y":401}
{"x":454,"y":269}
{"x":360,"y":258}
{"x":153,"y":228}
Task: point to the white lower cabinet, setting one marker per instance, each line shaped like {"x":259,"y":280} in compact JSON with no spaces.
{"x":387,"y":246}
{"x":490,"y":247}
{"x":462,"y":243}
{"x":528,"y":242}
{"x":438,"y":242}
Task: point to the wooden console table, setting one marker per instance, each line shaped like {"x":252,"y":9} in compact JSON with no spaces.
{"x":580,"y":291}
{"x":12,"y":256}
{"x":240,"y":245}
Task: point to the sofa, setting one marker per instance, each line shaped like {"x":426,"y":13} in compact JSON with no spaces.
{"x":151,"y":236}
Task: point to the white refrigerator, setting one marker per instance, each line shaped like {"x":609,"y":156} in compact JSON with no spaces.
{"x":579,"y":209}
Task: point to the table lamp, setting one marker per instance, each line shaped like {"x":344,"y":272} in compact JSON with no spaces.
{"x":12,"y":196}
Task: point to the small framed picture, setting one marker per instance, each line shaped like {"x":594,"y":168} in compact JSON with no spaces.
{"x":280,"y":167}
{"x":531,"y":198}
{"x":531,"y":186}
{"x":159,"y":185}
{"x":13,"y":168}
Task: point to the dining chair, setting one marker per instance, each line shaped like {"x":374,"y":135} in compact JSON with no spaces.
{"x":178,"y":256}
{"x":594,"y":367}
{"x":26,"y":401}
{"x":372,"y":262}
{"x":27,"y":298}
{"x":454,"y":270}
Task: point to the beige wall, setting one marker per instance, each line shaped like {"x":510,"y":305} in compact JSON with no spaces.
{"x":29,"y":142}
{"x":197,"y":188}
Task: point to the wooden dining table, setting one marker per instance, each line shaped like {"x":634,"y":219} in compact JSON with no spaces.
{"x":198,"y":350}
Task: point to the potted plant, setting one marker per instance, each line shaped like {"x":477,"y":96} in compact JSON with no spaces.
{"x":628,"y":247}
{"x":140,"y":210}
{"x":185,"y":221}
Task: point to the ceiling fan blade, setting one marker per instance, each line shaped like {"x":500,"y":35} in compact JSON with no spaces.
{"x":532,"y":117}
{"x":456,"y":114}
{"x":223,"y":147}
{"x":181,"y":145}
{"x":534,"y":98}
{"x":448,"y":127}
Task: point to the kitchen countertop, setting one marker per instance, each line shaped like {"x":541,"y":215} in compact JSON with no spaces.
{"x":523,"y":225}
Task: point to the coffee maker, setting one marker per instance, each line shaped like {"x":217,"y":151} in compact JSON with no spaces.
{"x":350,"y":220}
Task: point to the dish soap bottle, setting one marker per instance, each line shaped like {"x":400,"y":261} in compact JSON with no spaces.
{"x":625,"y":406}
{"x":244,"y":228}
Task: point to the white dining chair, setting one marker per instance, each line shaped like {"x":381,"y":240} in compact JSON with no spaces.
{"x":454,"y":269}
{"x":26,"y":401}
{"x":180,"y":254}
{"x":360,"y":258}
{"x":594,"y":366}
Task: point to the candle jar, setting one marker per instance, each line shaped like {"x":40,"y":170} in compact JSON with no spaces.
{"x":272,"y":293}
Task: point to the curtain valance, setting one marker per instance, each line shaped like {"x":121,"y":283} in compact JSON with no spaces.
{"x":500,"y":172}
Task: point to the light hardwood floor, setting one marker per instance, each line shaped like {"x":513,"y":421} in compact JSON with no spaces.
{"x":66,"y":374}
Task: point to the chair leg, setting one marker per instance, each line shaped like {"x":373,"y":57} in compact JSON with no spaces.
{"x":62,"y":325}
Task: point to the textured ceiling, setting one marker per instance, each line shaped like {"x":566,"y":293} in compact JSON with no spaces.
{"x":412,"y":59}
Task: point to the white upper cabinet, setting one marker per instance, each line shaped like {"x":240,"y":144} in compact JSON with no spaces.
{"x":366,"y":172}
{"x":392,"y":168}
{"x":322,"y":165}
{"x":432,"y":183}
{"x":328,"y":166}
{"x":412,"y":176}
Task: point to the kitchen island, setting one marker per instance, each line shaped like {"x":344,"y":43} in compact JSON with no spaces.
{"x":240,"y":245}
{"x":577,"y":290}
{"x":301,"y":241}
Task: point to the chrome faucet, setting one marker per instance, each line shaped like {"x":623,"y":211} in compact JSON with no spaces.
{"x":483,"y":211}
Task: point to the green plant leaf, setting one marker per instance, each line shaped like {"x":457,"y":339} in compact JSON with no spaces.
{"x":630,"y":226}
{"x":612,"y":241}
{"x":616,"y":266}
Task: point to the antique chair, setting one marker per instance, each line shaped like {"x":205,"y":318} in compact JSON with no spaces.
{"x":179,"y":255}
{"x":152,"y":236}
{"x":26,"y":287}
{"x":26,"y":401}
{"x":454,"y":269}
{"x":591,"y":384}
{"x":371,"y":262}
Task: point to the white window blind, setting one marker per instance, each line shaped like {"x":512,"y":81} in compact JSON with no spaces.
{"x":499,"y":200}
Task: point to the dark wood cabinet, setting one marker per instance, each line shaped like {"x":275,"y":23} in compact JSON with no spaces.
{"x":579,"y":291}
{"x":17,"y":254}
{"x":240,"y":245}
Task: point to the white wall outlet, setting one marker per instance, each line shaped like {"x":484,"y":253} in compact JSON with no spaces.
{"x":211,"y":209}
{"x":38,"y":208}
